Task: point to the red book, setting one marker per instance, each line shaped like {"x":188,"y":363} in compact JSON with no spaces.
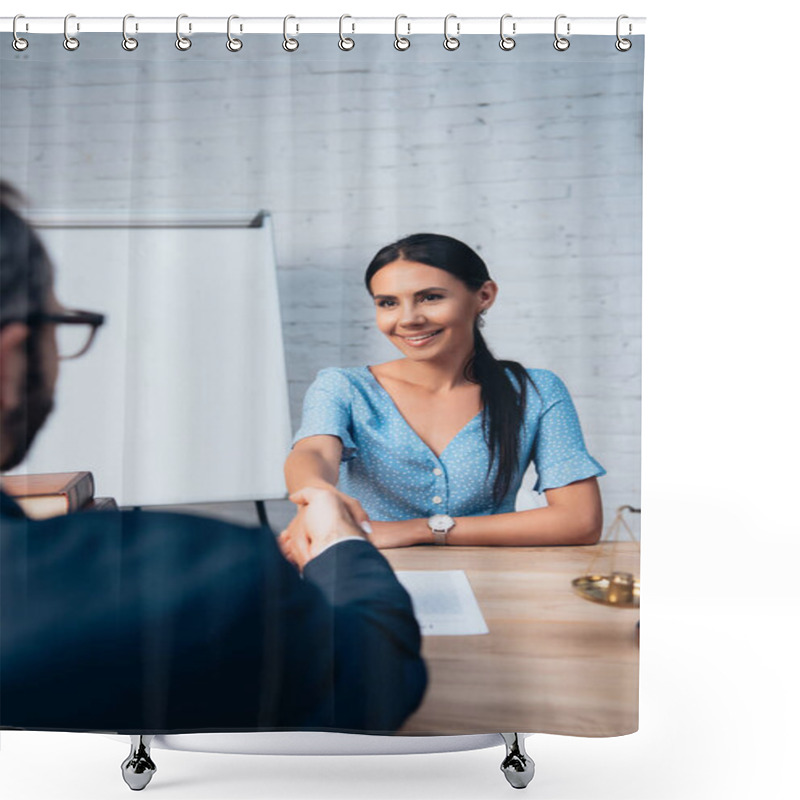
{"x":50,"y":494}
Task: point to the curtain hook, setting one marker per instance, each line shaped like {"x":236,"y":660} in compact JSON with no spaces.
{"x":128,"y":42}
{"x":345,"y":42}
{"x":623,"y":45}
{"x":289,"y":44}
{"x":19,"y":44}
{"x":70,"y":42}
{"x":233,"y":44}
{"x":561,"y":43}
{"x":181,"y":42}
{"x":400,"y":42}
{"x":507,"y":42}
{"x":451,"y":42}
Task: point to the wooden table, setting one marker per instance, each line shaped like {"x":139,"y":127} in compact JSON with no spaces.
{"x":552,"y":661}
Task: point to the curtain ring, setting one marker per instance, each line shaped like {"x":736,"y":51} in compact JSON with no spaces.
{"x":561,"y":43}
{"x":289,"y":44}
{"x":623,"y":45}
{"x":451,"y":42}
{"x":70,"y":42}
{"x":181,"y":42}
{"x":345,"y":42}
{"x":19,"y":44}
{"x":128,"y":42}
{"x":507,"y":42}
{"x":233,"y":44}
{"x":400,"y":42}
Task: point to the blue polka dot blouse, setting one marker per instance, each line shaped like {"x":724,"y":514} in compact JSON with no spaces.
{"x":395,"y":475}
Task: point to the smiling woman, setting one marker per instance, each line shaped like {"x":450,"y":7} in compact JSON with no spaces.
{"x":432,"y":447}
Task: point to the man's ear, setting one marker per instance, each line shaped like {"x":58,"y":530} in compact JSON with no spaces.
{"x":13,"y":364}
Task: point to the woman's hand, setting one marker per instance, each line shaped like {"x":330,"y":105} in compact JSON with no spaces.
{"x":400,"y":534}
{"x":350,"y":503}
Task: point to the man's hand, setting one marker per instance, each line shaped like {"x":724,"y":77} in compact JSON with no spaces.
{"x":294,"y":541}
{"x":322,"y":519}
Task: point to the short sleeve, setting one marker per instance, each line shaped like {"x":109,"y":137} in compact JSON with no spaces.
{"x":559,"y":452}
{"x":327,"y":410}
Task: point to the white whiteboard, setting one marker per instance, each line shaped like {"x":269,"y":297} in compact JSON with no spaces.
{"x":183,"y":395}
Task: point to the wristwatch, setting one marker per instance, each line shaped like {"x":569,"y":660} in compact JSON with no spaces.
{"x":440,"y":525}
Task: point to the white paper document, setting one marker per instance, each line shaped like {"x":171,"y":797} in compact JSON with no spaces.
{"x":444,"y":603}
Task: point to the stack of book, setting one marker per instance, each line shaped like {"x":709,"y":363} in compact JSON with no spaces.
{"x":53,"y":493}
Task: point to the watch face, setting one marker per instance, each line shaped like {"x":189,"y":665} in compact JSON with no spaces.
{"x":441,"y":523}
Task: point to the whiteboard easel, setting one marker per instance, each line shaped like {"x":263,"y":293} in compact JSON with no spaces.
{"x":183,"y":397}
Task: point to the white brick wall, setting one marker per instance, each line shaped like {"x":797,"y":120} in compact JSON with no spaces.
{"x":532,"y":157}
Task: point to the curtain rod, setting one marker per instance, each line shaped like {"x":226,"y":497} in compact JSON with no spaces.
{"x":349,"y":25}
{"x":124,"y":218}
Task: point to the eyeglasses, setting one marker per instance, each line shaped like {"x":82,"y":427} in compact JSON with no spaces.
{"x":75,"y":330}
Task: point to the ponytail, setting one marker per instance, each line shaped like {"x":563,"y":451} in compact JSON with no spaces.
{"x":503,"y":410}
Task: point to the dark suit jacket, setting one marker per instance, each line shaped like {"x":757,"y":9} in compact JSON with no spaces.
{"x":140,"y":622}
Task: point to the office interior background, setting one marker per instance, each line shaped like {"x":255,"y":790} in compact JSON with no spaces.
{"x":537,"y":167}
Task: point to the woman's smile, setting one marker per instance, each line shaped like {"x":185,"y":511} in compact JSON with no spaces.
{"x":419,"y":339}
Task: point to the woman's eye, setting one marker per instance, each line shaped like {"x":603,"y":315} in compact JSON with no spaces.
{"x":433,"y":297}
{"x":385,"y":303}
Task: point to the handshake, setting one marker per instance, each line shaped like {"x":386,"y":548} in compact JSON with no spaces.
{"x":324,"y":516}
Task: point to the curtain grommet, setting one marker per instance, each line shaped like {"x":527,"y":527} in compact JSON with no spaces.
{"x":623,"y":45}
{"x":70,"y":43}
{"x":451,"y":43}
{"x":345,"y":42}
{"x":507,"y":42}
{"x":129,"y":43}
{"x":18,"y":43}
{"x":561,"y":43}
{"x":233,"y":44}
{"x":182,"y":42}
{"x":401,"y":42}
{"x":289,"y":44}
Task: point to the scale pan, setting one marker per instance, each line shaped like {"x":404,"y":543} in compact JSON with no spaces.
{"x":620,"y":589}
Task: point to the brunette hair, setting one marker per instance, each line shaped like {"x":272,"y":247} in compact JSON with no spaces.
{"x":503,"y":399}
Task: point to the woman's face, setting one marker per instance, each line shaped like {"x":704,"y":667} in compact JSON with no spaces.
{"x":426,"y":312}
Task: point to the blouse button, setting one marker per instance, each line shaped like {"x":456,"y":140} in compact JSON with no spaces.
{"x":437,"y":500}
{"x":437,"y":471}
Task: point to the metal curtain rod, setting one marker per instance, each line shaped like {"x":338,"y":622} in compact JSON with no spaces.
{"x":126,"y":218}
{"x":382,"y":25}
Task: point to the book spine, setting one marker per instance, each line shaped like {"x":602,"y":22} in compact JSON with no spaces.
{"x":80,"y":492}
{"x":101,"y":504}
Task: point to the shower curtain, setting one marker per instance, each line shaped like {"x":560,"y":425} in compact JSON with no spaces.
{"x":220,"y":208}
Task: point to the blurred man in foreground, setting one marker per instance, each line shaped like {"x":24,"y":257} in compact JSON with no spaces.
{"x":142,"y":622}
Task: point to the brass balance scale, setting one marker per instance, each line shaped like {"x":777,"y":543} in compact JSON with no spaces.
{"x":610,"y":587}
